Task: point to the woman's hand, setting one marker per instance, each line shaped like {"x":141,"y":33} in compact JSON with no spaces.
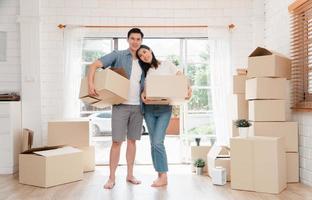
{"x":189,"y":93}
{"x":91,"y":90}
{"x":143,"y":97}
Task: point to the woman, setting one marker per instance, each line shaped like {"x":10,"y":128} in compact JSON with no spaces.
{"x":157,"y":116}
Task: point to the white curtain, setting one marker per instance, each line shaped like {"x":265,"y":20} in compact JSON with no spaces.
{"x":221,"y":76}
{"x":73,"y":37}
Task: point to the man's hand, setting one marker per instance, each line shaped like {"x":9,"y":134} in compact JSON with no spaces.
{"x":91,"y":90}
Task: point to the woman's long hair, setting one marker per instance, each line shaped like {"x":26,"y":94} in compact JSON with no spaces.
{"x":145,"y":66}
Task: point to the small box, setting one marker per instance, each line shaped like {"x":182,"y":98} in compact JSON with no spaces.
{"x":88,"y":158}
{"x":73,"y":132}
{"x":218,"y":176}
{"x":199,"y":152}
{"x":219,"y":156}
{"x":239,"y":84}
{"x":50,"y":166}
{"x":267,"y":110}
{"x":111,"y":85}
{"x":266,"y":88}
{"x":240,"y":106}
{"x":266,"y":63}
{"x":292,"y":160}
{"x":258,"y":164}
{"x":289,"y":130}
{"x":166,"y":89}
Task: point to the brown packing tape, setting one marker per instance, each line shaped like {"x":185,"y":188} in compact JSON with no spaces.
{"x":120,"y":71}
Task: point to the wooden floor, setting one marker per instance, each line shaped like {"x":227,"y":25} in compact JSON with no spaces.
{"x":182,"y":185}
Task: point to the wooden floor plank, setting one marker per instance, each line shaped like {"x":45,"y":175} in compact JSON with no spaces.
{"x":182,"y":185}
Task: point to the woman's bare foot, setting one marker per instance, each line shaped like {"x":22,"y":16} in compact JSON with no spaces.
{"x":160,"y":181}
{"x":109,"y":184}
{"x":133,"y":180}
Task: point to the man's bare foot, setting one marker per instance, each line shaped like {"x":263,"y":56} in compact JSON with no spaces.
{"x":133,"y":180}
{"x":160,"y":182}
{"x":109,"y":184}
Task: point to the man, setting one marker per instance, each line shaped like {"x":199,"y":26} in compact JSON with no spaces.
{"x":127,"y":117}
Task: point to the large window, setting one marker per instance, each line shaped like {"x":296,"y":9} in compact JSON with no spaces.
{"x":192,"y":56}
{"x":189,"y":54}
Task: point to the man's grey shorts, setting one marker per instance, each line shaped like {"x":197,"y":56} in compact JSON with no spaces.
{"x":127,"y":120}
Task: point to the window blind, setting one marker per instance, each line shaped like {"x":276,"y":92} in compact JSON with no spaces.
{"x":301,"y":54}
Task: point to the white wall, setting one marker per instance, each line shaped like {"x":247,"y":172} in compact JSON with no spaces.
{"x":129,"y":12}
{"x":10,"y":70}
{"x":277,"y":37}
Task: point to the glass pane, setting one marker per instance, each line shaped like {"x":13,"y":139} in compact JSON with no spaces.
{"x":122,"y":44}
{"x":84,"y":70}
{"x":199,"y":74}
{"x":164,"y":49}
{"x":93,"y":49}
{"x":197,"y":51}
{"x":200,"y":124}
{"x":200,"y":101}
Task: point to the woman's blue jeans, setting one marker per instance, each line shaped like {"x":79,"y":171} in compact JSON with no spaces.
{"x":157,"y":123}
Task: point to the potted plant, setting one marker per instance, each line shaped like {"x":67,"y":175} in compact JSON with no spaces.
{"x":199,"y":164}
{"x":174,"y":123}
{"x":243,"y":127}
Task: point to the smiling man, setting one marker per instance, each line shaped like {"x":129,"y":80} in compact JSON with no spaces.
{"x":127,"y":117}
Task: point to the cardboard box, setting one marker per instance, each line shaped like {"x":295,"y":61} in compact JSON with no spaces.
{"x":163,"y":89}
{"x":267,"y":110}
{"x":88,"y":158}
{"x":239,"y":107}
{"x":72,"y":132}
{"x":266,"y":63}
{"x":199,"y":152}
{"x":239,"y":84}
{"x":292,"y":160}
{"x":258,"y":164}
{"x":266,"y":88}
{"x":111,"y":85}
{"x":289,"y":130}
{"x":50,"y":166}
{"x":219,"y":156}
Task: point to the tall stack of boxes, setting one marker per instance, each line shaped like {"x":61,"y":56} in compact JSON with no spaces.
{"x":267,"y":95}
{"x":48,"y":166}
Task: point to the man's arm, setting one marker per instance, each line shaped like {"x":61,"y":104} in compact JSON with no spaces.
{"x":104,"y":61}
{"x":91,"y":71}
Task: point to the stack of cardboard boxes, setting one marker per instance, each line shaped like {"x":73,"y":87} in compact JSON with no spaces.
{"x":262,"y":156}
{"x":267,"y":90}
{"x":64,"y":160}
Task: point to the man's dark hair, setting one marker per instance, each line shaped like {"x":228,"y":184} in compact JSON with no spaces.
{"x":135,"y":30}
